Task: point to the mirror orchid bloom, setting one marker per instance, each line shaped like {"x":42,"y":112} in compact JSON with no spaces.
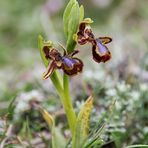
{"x":67,"y":62}
{"x":85,"y":35}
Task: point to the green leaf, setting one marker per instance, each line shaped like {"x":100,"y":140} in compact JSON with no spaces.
{"x":82,"y":124}
{"x":58,"y":140}
{"x":94,"y":137}
{"x":25,"y":130}
{"x":72,"y":17}
{"x":95,"y":133}
{"x":48,"y":118}
{"x":41,"y":44}
{"x":66,"y":16}
{"x":73,"y":26}
{"x":81,"y":13}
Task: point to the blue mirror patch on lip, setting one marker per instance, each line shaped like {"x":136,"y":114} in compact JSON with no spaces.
{"x":102,"y":49}
{"x":69,"y":62}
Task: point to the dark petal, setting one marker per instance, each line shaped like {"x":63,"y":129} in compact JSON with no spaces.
{"x":82,"y":27}
{"x":81,"y":38}
{"x":89,"y":34}
{"x":99,"y":57}
{"x":105,"y":40}
{"x":80,"y":33}
{"x":51,"y":53}
{"x":78,"y":64}
{"x":64,"y":50}
{"x":77,"y":68}
{"x":54,"y":54}
{"x":87,"y":37}
{"x":46,"y":51}
{"x":82,"y":41}
{"x":85,"y":34}
{"x":51,"y":67}
{"x":74,"y":53}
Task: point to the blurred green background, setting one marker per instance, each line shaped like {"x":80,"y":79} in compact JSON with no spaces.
{"x":124,"y":77}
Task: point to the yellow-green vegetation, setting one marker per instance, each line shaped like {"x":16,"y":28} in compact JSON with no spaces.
{"x":103,"y":106}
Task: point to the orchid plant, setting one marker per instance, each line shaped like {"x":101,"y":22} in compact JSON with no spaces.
{"x":77,"y":31}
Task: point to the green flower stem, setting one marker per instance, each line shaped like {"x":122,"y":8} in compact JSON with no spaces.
{"x":55,"y":78}
{"x":69,"y":110}
{"x":66,"y":85}
{"x":65,"y":98}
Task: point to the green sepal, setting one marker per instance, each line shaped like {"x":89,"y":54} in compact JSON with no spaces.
{"x":87,"y":21}
{"x":82,"y":124}
{"x":41,"y":44}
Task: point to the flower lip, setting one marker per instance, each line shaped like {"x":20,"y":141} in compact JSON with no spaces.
{"x":77,"y":67}
{"x":102,"y":49}
{"x":46,"y":51}
{"x":104,"y":58}
{"x":68,"y":62}
{"x":100,"y":52}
